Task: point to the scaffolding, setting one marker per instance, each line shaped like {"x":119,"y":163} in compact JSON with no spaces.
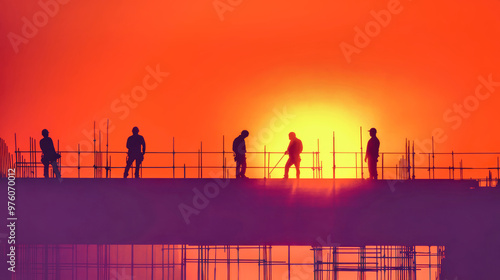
{"x":6,"y":159}
{"x":483,"y":166}
{"x":182,"y":262}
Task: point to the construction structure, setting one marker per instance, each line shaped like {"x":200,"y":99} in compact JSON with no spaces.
{"x":108,"y":262}
{"x":400,"y":165}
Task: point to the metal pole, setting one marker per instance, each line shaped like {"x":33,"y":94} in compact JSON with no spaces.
{"x":498,"y":170}
{"x":36,"y":175}
{"x":132,"y":262}
{"x":333,"y":157}
{"x":288,"y":262}
{"x":100,"y":156}
{"x":268,"y":165}
{"x":453,"y":164}
{"x":277,"y":163}
{"x":224,"y":175}
{"x":382,"y":166}
{"x":433,"y":160}
{"x":78,"y":161}
{"x":59,"y":160}
{"x":94,"y":153}
{"x":223,"y":157}
{"x":429,"y":155}
{"x":313,"y":164}
{"x":265,"y":161}
{"x":107,"y":149}
{"x":413,"y":155}
{"x":173,"y":157}
{"x":318,"y":162}
{"x":32,"y":156}
{"x":461,"y":170}
{"x":361,"y":140}
{"x":356,"y":163}
{"x":409,"y":161}
{"x":15,"y":150}
{"x":201,"y":159}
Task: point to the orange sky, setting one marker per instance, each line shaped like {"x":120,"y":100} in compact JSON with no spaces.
{"x":263,"y":57}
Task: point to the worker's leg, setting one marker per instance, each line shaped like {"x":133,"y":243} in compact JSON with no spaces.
{"x":127,"y":167}
{"x":138,"y":163}
{"x":289,"y":163}
{"x":243,"y":167}
{"x":297,"y":167}
{"x":46,"y":170}
{"x":372,"y":168}
{"x":238,"y":168}
{"x":56,"y":169}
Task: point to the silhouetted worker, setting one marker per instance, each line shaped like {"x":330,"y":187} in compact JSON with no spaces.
{"x":372,"y":153}
{"x":240,"y":150}
{"x":293,"y":152}
{"x":49,"y":155}
{"x":134,"y":144}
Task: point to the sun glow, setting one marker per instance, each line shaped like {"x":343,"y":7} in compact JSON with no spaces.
{"x":316,"y":125}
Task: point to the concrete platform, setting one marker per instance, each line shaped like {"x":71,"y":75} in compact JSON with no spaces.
{"x":456,"y":214}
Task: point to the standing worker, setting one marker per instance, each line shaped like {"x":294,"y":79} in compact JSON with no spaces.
{"x":372,"y":154}
{"x":134,"y":144}
{"x":49,"y":155}
{"x":293,"y":152}
{"x":240,"y":150}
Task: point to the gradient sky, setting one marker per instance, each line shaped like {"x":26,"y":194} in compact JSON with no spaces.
{"x":235,"y":69}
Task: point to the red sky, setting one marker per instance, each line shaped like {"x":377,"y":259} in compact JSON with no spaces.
{"x":263,"y":57}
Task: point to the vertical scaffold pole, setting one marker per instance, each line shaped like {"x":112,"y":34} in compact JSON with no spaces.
{"x":201,"y":159}
{"x":95,"y":170}
{"x":223,"y":159}
{"x":15,"y":151}
{"x":413,"y":155}
{"x":265,"y":148}
{"x":78,"y":160}
{"x":361,"y":141}
{"x":107,"y":148}
{"x":333,"y":154}
{"x":433,"y":160}
{"x":173,"y":157}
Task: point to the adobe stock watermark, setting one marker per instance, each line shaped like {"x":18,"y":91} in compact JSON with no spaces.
{"x":122,"y":274}
{"x":30,"y":26}
{"x":122,"y":107}
{"x":470,"y":104}
{"x":373,"y":28}
{"x":328,"y":242}
{"x":301,"y":272}
{"x":454,"y":117}
{"x":223,"y":6}
{"x":211,"y":190}
{"x":276,"y":125}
